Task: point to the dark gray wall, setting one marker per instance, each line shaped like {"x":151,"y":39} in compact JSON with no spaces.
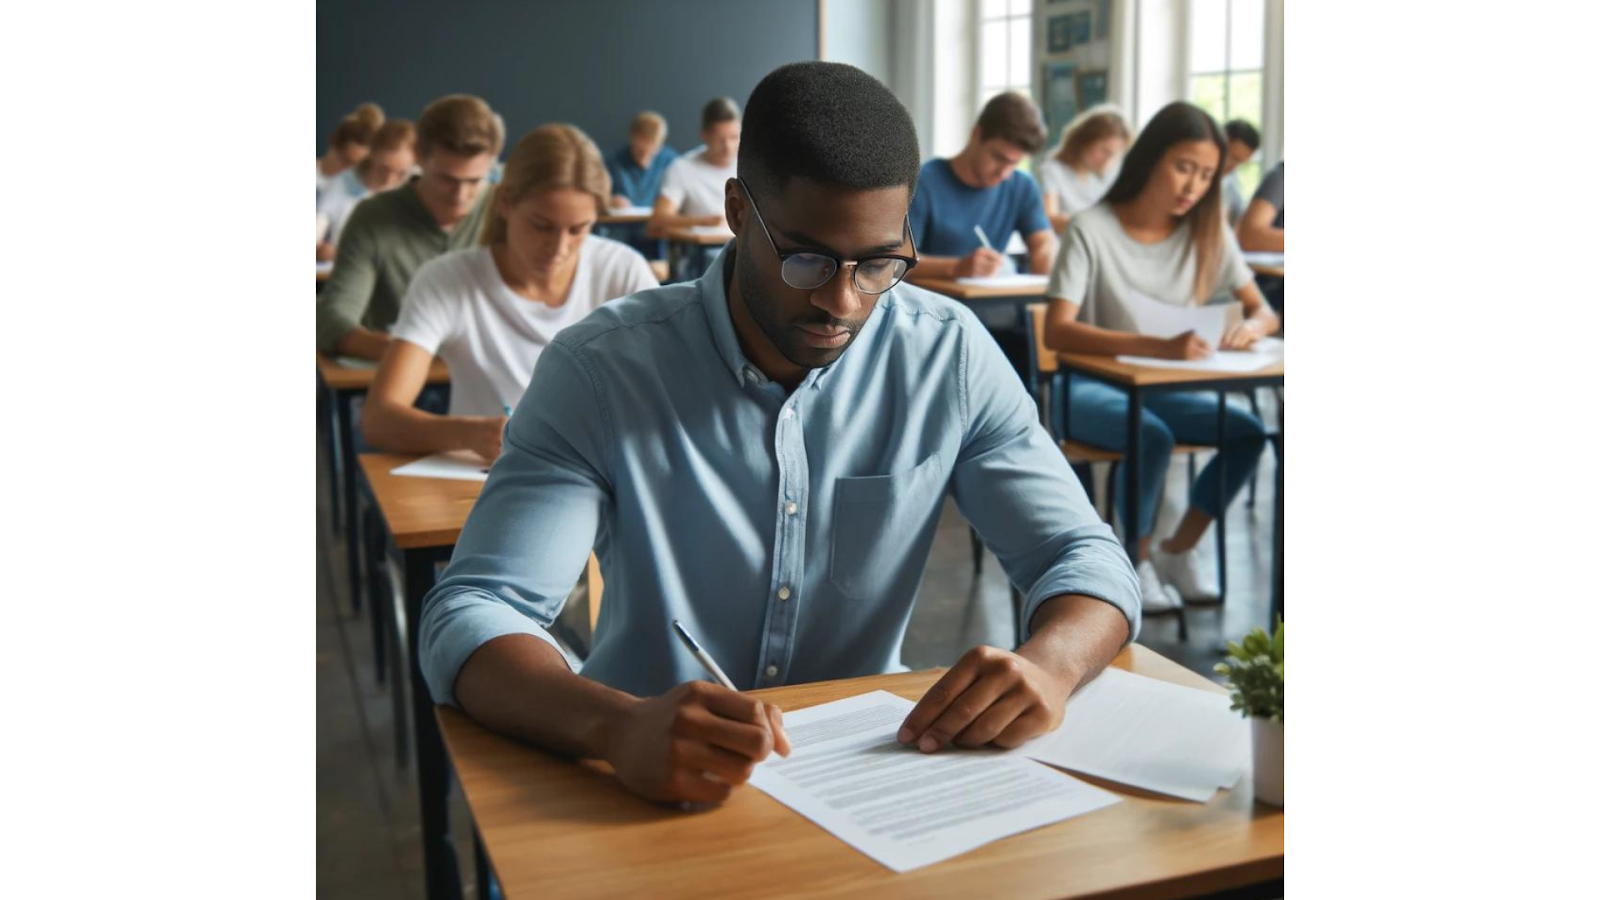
{"x":593,"y":63}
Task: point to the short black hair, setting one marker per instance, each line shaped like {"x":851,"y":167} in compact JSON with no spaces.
{"x":830,"y":123}
{"x":1243,"y":132}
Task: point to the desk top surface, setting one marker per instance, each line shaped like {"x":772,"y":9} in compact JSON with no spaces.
{"x":555,"y":828}
{"x":702,"y":238}
{"x":952,"y":288}
{"x":419,"y":512}
{"x":1262,"y":269}
{"x":347,"y":378}
{"x":1110,"y":369}
{"x":613,"y":218}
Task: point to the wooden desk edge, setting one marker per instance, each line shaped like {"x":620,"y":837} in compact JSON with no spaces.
{"x":378,"y":471}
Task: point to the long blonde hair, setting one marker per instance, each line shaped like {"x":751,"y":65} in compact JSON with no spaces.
{"x":550,"y":156}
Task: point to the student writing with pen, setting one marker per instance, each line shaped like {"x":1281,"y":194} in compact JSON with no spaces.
{"x":762,"y":456}
{"x":491,"y":310}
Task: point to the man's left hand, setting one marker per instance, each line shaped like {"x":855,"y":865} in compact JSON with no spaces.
{"x":989,"y":696}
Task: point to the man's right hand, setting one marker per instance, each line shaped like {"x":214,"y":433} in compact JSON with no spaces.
{"x":980,"y":263}
{"x":1186,"y":346}
{"x":696,"y":743}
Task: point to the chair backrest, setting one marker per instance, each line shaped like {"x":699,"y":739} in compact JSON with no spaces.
{"x":1041,"y":358}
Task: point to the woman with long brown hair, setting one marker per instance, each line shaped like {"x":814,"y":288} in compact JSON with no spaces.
{"x":489,"y":311}
{"x":1160,"y":233}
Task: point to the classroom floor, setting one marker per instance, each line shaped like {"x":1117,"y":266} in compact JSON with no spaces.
{"x":367,"y":817}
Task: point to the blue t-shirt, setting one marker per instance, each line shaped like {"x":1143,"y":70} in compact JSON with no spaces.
{"x":945,"y":209}
{"x":640,"y":186}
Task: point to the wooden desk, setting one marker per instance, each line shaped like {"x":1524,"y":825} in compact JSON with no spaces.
{"x":1260,"y":269}
{"x":554,"y":828}
{"x":422,"y":518}
{"x":1136,"y":381}
{"x":419,"y":520}
{"x":337,"y":388}
{"x":611,"y":218}
{"x":975,"y":296}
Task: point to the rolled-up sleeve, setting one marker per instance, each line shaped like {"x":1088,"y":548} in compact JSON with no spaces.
{"x":1015,"y":487}
{"x":530,"y":533}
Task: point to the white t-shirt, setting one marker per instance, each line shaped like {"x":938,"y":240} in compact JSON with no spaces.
{"x":459,"y":308}
{"x":337,"y":200}
{"x":1074,"y":193}
{"x":695,"y":185}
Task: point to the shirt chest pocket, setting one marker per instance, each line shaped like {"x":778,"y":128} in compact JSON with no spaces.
{"x":878,"y":522}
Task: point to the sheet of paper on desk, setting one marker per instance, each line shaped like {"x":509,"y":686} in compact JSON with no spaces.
{"x":1165,"y":320}
{"x":324,"y":266}
{"x":1149,"y":734}
{"x":355,"y":362}
{"x":630,"y":211}
{"x":711,"y":231}
{"x":462,"y":465}
{"x":1030,"y":282}
{"x":1263,"y":258}
{"x":1266,"y":352}
{"x":902,"y":807}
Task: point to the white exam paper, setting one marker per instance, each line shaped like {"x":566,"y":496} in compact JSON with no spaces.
{"x":1164,"y":320}
{"x":1149,"y":734}
{"x":711,"y":231}
{"x":1263,"y":258}
{"x":1029,"y":282}
{"x":462,"y":465}
{"x":630,"y":211}
{"x":1265,"y":352}
{"x":324,"y":265}
{"x":902,"y":807}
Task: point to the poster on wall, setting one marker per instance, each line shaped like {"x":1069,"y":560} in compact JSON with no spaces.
{"x":1060,"y":97}
{"x":1081,"y":32}
{"x":1058,"y":34}
{"x":1092,"y":88}
{"x":1102,"y":19}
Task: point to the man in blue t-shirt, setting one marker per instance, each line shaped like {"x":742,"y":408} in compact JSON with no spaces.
{"x":636,"y":169}
{"x":980,"y":186}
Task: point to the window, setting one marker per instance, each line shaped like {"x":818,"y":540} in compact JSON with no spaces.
{"x":1227,"y":41}
{"x":1005,"y":50}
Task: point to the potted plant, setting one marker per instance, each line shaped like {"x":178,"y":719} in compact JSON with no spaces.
{"x":1254,"y":669}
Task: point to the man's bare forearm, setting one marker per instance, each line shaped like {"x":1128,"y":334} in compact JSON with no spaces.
{"x":520,"y":686}
{"x":1074,"y":637}
{"x":363,"y":343}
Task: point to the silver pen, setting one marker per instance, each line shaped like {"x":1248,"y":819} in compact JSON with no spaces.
{"x":704,"y":657}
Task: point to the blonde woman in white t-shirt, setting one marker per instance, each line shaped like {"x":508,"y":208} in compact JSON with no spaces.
{"x":490,"y":311}
{"x":1083,"y":167}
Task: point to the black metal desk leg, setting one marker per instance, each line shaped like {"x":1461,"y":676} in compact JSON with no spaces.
{"x":433,"y":771}
{"x":1222,"y":495}
{"x":480,"y":861}
{"x":374,"y":552}
{"x":1130,"y":472}
{"x":1277,"y":527}
{"x":327,"y":421}
{"x":352,"y":524}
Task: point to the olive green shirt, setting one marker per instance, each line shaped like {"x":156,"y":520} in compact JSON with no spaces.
{"x":385,"y":241}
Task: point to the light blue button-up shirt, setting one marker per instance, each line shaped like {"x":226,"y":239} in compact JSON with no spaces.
{"x":788,"y":531}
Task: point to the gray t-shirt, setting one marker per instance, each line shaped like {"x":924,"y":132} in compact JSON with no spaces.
{"x":1099,"y":264}
{"x":1271,"y":190}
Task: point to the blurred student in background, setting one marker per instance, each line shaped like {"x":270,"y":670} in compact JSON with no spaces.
{"x":392,"y":158}
{"x":692,"y":185}
{"x":349,"y":144}
{"x":1085,"y":164}
{"x":1243,"y":142}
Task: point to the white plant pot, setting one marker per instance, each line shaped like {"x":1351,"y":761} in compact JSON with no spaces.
{"x":1266,"y":752}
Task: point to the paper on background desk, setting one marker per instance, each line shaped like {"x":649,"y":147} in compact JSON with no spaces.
{"x":1263,"y":258}
{"x":710,"y":231}
{"x":1030,"y":282}
{"x":1165,"y":320}
{"x":1149,"y":734}
{"x":462,"y":465}
{"x":1265,"y":352}
{"x":324,"y":266}
{"x":902,"y":807}
{"x":629,"y":211}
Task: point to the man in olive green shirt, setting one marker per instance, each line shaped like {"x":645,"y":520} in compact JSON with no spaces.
{"x":390,"y":235}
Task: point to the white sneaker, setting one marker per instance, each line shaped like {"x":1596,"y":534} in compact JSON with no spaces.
{"x":1154,"y":596}
{"x":1194,"y":576}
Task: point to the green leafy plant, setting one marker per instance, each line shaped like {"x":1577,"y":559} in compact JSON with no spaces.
{"x":1255,"y":673}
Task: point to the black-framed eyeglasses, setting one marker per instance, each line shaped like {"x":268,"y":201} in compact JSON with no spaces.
{"x":807,"y":270}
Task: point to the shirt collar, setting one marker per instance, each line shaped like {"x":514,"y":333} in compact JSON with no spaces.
{"x":715,"y":300}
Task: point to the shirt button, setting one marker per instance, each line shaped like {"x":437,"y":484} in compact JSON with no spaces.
{"x":783,"y":592}
{"x":791,"y":508}
{"x":788,"y":413}
{"x":772,"y":671}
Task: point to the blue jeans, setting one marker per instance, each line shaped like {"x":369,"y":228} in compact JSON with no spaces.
{"x":1098,"y":415}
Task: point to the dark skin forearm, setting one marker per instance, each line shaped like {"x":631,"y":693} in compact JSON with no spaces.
{"x":572,"y":715}
{"x":1074,"y":637}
